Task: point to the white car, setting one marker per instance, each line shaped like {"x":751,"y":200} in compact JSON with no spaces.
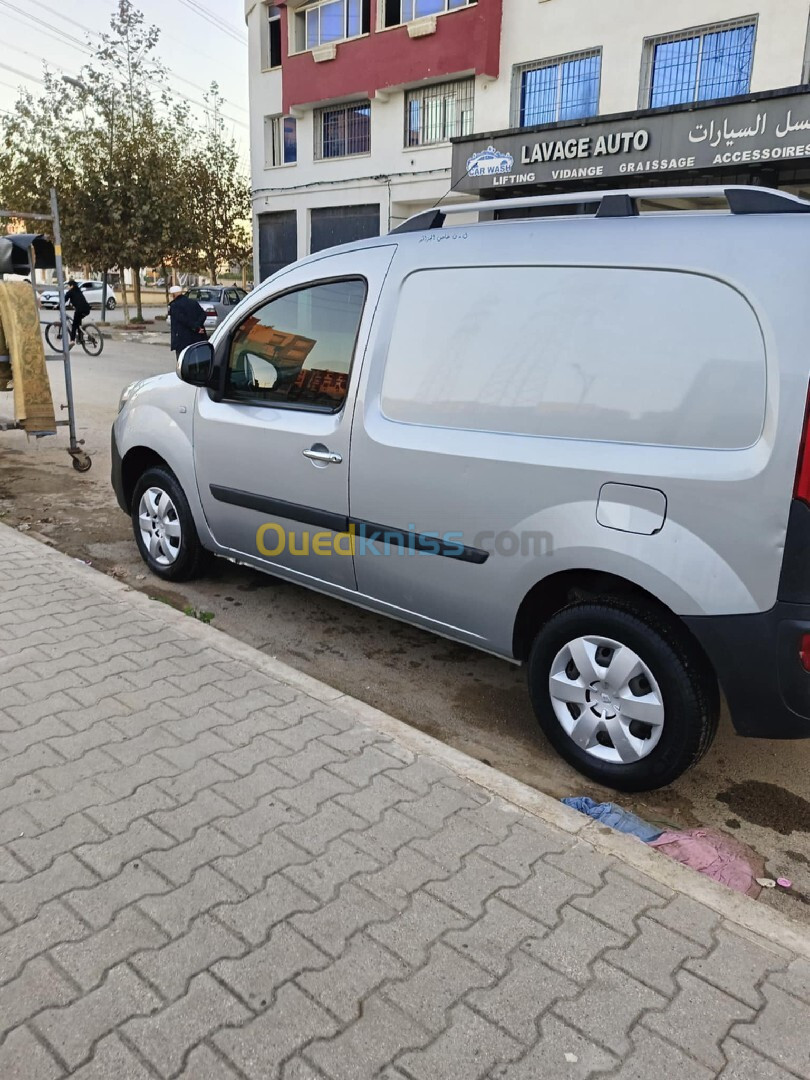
{"x":93,"y":290}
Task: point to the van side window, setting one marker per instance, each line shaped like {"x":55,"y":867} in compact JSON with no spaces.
{"x":591,"y":353}
{"x":297,"y":349}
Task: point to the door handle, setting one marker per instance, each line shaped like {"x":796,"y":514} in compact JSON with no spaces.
{"x":322,"y":455}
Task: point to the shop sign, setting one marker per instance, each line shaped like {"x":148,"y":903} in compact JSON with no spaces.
{"x":765,"y":132}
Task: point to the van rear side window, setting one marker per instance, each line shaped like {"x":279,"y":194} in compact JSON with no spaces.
{"x":652,"y":357}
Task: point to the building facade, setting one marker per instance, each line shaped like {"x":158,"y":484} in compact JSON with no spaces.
{"x":364,"y":112}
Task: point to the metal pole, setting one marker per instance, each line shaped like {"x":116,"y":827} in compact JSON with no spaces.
{"x":60,"y":283}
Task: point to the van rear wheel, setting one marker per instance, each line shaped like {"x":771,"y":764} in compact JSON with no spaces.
{"x":622,"y":694}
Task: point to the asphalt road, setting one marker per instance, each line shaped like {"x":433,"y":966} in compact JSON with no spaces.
{"x":759,"y":791}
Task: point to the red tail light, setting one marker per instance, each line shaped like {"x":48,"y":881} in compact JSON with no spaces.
{"x":801,"y":488}
{"x":210,"y":311}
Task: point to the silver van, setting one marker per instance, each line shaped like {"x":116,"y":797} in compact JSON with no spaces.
{"x":574,"y":441}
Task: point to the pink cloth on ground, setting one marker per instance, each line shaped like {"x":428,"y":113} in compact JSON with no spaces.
{"x":716,"y":855}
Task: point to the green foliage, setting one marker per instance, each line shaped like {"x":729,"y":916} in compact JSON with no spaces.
{"x":140,"y":182}
{"x":202,"y":616}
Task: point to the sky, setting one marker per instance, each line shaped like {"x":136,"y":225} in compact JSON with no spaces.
{"x":194,"y":49}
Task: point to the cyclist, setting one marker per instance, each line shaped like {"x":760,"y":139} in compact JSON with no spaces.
{"x":81,"y":309}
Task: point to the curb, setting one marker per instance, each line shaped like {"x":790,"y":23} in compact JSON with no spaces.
{"x":746,"y":913}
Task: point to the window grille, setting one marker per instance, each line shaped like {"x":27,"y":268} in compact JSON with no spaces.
{"x":343,"y":130}
{"x":699,"y":65}
{"x":435,"y":114}
{"x":563,"y":88}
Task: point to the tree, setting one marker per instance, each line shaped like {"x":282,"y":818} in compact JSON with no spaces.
{"x":38,"y":152}
{"x":134,"y":139}
{"x":219,"y":194}
{"x":139,"y":184}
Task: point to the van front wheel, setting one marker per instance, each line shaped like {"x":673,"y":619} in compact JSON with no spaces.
{"x":164,"y":527}
{"x":622,"y":694}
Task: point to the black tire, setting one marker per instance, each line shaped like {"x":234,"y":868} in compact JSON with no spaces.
{"x":190,"y":557}
{"x":92,"y":341}
{"x":110,"y":303}
{"x":687,"y":685}
{"x":53,"y":335}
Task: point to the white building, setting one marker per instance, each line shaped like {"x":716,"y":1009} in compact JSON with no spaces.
{"x":354,"y":102}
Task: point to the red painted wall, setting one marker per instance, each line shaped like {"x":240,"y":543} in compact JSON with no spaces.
{"x":465,"y":40}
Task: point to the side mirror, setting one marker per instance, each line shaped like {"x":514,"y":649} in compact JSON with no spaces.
{"x":195,"y":365}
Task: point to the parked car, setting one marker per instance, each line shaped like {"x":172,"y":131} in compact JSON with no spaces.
{"x":94,"y":291}
{"x":216,"y":301}
{"x":580,"y":443}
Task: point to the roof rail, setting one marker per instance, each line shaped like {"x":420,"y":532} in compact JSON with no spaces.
{"x":741,"y":199}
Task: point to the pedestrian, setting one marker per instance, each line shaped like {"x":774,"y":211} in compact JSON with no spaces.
{"x":81,"y":309}
{"x":187,"y":320}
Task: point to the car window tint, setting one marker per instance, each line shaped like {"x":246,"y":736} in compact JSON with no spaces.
{"x":297,"y":349}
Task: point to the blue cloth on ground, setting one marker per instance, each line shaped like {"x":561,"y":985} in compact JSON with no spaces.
{"x":609,"y":813}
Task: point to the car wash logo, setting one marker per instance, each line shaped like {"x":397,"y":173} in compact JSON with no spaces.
{"x":489,"y":162}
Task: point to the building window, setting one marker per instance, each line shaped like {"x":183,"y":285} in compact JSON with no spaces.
{"x":699,"y":65}
{"x":565,"y":88}
{"x":330,"y":21}
{"x":271,"y":38}
{"x":396,"y":12}
{"x":280,"y":141}
{"x":436,"y":114}
{"x":343,"y":130}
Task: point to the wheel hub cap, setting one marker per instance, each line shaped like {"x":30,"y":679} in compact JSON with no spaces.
{"x":606,"y":699}
{"x":159,"y":526}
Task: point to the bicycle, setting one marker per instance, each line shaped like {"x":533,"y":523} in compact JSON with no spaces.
{"x":88,"y":336}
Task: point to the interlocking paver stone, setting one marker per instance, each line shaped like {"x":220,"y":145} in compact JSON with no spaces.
{"x":257,"y":976}
{"x":745,"y":1064}
{"x":738,"y":965}
{"x":779,"y":1032}
{"x":205,"y":872}
{"x":72,"y":1031}
{"x":87,"y":961}
{"x":260,"y":1046}
{"x":165,"y":1038}
{"x":37,"y":986}
{"x":23,"y":1057}
{"x":655,"y":956}
{"x":561,"y":1051}
{"x":519,"y":999}
{"x":367,"y":1045}
{"x":466,"y":1050}
{"x":431,"y":991}
{"x":112,"y":1058}
{"x":170,"y":968}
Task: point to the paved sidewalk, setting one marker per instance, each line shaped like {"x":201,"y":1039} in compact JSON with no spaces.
{"x":213,"y":867}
